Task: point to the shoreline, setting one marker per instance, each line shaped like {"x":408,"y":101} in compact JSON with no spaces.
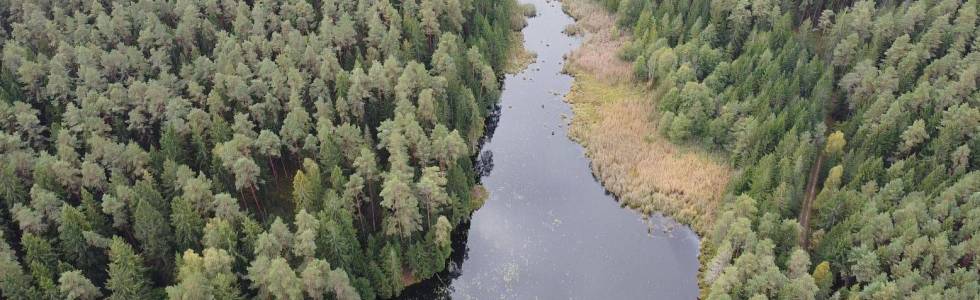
{"x":604,"y":97}
{"x":615,"y":120}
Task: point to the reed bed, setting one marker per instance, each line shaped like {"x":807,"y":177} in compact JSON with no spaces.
{"x":615,"y":119}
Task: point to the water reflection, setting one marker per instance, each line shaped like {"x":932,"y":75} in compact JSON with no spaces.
{"x":484,"y":164}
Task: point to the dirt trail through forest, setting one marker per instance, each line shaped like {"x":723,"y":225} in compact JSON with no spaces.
{"x":811,"y":194}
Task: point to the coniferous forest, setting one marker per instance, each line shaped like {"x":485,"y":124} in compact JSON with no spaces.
{"x":228,"y":149}
{"x":331,"y":149}
{"x":855,"y":127}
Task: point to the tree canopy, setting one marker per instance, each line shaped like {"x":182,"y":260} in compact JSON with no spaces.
{"x":233,"y":149}
{"x":854,"y":124}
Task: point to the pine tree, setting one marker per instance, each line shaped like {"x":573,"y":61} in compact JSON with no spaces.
{"x":219,"y":234}
{"x":12,"y":189}
{"x":205,"y":277}
{"x":307,"y":187}
{"x":835,"y":143}
{"x":295,"y":127}
{"x":127,"y":274}
{"x":268,"y":145}
{"x":247,"y":177}
{"x":428,"y":14}
{"x":153,"y":231}
{"x":315,"y":278}
{"x":42,"y":262}
{"x":432,"y":191}
{"x":823,"y":277}
{"x":187,"y":224}
{"x":341,"y":285}
{"x":274,"y":278}
{"x":15,"y":284}
{"x":447,"y":146}
{"x":74,"y":285}
{"x":443,"y":235}
{"x":398,"y":195}
{"x":72,"y":242}
{"x":151,"y":115}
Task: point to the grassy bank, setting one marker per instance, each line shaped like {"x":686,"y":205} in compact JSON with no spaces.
{"x":615,"y":119}
{"x":617,"y":122}
{"x":519,"y":57}
{"x":853,"y":138}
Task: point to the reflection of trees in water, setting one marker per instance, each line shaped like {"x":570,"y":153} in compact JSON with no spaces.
{"x":440,"y":286}
{"x":493,"y":116}
{"x":484,"y":164}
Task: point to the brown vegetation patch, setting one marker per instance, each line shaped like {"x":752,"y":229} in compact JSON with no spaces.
{"x":598,"y":55}
{"x":615,"y":121}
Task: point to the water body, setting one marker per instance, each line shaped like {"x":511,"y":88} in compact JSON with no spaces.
{"x":549,"y":230}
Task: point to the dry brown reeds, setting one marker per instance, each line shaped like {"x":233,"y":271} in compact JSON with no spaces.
{"x":598,"y":55}
{"x":614,"y":120}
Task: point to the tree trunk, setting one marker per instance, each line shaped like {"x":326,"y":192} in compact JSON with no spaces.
{"x":360,"y":215}
{"x":256,"y":200}
{"x":282,"y":165}
{"x":370,"y":202}
{"x":241,"y":199}
{"x":272,"y":167}
{"x":428,"y":216}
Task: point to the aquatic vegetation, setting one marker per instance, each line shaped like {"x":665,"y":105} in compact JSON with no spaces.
{"x":615,"y":120}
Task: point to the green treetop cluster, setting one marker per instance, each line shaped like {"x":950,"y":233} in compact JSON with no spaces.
{"x":227,"y":149}
{"x":875,"y":102}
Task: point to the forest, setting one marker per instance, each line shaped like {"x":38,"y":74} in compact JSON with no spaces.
{"x":855,"y":130}
{"x":229,"y":149}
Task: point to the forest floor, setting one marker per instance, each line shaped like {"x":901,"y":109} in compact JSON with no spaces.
{"x":616,"y":121}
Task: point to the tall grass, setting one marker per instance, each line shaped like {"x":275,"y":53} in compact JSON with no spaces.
{"x":519,"y":57}
{"x":603,"y":40}
{"x":613,"y":121}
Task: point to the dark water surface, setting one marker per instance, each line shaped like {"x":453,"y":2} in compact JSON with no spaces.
{"x":549,"y":230}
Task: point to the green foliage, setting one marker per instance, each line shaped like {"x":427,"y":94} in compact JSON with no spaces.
{"x":823,"y":277}
{"x":835,"y":143}
{"x":127,"y":274}
{"x":273,"y":278}
{"x":74,"y":285}
{"x":194,"y":126}
{"x":152,"y":230}
{"x":187,"y":224}
{"x":207,"y":276}
{"x":15,"y":283}
{"x":882,"y":93}
{"x":391,"y":283}
{"x":73,"y":245}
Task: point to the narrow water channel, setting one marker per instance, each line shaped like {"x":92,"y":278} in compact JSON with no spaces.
{"x":549,"y":230}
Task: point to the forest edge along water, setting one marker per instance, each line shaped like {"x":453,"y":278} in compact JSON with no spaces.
{"x":332,"y":149}
{"x":549,"y":229}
